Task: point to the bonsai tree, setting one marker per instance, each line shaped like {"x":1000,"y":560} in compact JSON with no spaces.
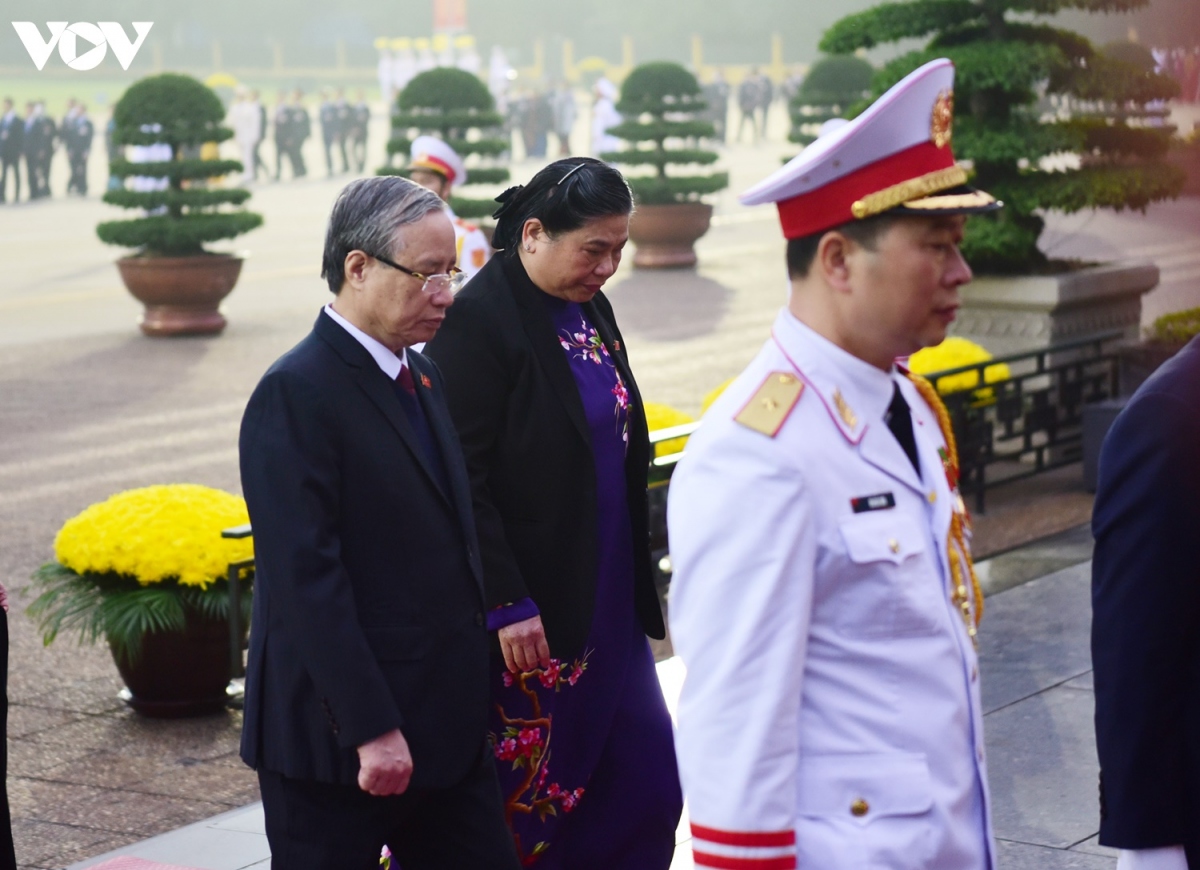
{"x":661,"y":101}
{"x":1006,"y":58}
{"x":178,"y":111}
{"x":832,"y":86}
{"x":457,"y":107}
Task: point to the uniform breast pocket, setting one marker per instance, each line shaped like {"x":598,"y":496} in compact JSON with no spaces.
{"x":864,"y":811}
{"x":886,"y":586}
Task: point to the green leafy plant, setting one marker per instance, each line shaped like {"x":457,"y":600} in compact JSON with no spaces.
{"x":456,"y":106}
{"x":661,"y":102}
{"x":181,"y":112}
{"x":120,"y":610}
{"x":1177,"y":328}
{"x":833,"y":85}
{"x":1006,"y":61}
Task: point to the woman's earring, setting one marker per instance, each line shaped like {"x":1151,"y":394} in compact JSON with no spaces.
{"x":529,"y":249}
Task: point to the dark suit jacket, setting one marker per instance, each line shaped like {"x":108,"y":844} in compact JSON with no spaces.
{"x":368,"y":601}
{"x":528,"y":449}
{"x":1146,"y":614}
{"x":12,"y":137}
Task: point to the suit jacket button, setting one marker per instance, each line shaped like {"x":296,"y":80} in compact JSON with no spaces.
{"x":859,"y":808}
{"x":479,"y":619}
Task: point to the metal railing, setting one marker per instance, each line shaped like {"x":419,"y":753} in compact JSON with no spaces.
{"x":1031,"y":421}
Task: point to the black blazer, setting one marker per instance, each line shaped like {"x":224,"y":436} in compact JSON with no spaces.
{"x":528,"y":449}
{"x":368,"y":602}
{"x":1146,"y":615}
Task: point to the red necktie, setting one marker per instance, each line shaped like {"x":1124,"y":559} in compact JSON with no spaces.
{"x":405,"y":380}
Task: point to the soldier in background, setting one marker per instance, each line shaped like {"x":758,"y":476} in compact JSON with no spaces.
{"x":300,"y":129}
{"x":716,"y":94}
{"x":327,"y":114}
{"x":282,"y":119}
{"x":437,"y":167}
{"x":360,"y":119}
{"x":12,"y":139}
{"x":37,"y":146}
{"x":262,"y":134}
{"x":77,"y":139}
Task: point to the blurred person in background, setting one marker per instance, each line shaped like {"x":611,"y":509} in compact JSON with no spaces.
{"x":556,"y":445}
{"x":12,"y":138}
{"x":749,"y":97}
{"x":565,"y":112}
{"x":301,"y":130}
{"x":436,"y":166}
{"x":78,"y":142}
{"x":246,"y":121}
{"x":604,"y":117}
{"x":360,"y":121}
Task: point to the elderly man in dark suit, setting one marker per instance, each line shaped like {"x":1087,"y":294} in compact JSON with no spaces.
{"x":366,"y":690}
{"x":1146,"y":623}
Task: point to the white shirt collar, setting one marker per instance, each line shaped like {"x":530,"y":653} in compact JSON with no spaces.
{"x":867,"y":389}
{"x":390,"y":363}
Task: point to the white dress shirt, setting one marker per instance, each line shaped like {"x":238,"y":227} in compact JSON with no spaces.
{"x":391,"y":363}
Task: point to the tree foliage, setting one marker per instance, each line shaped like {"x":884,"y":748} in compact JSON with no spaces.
{"x":455,"y":106}
{"x":1011,"y":67}
{"x":833,"y":85}
{"x":1024,"y":91}
{"x":183,"y":113}
{"x":660,"y":102}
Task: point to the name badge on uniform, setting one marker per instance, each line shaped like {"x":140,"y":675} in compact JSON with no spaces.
{"x":880,"y":502}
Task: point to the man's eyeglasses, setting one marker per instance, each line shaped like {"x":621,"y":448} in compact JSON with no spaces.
{"x":452,"y":280}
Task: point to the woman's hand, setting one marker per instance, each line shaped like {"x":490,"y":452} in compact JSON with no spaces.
{"x":524,"y":645}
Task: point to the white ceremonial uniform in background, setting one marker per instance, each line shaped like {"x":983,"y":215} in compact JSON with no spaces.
{"x":474,"y":250}
{"x":831,"y":709}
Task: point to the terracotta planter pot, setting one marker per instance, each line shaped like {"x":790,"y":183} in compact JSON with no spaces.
{"x":180,"y":674}
{"x":665,"y":234}
{"x":181,"y":294}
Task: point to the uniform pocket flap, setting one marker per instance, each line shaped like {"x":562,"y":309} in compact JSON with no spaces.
{"x":864,"y":786}
{"x":394,"y":643}
{"x":881,"y":537}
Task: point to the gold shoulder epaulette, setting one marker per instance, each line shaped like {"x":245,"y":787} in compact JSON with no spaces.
{"x":771,"y":403}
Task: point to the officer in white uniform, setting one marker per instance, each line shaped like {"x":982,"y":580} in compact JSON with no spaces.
{"x":437,"y":166}
{"x":823,"y":599}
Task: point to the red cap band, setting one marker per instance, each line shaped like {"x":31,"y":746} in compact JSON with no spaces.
{"x":829,"y":206}
{"x":428,"y":161}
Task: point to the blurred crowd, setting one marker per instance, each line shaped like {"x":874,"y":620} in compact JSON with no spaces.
{"x":1183,"y":65}
{"x":29,"y":141}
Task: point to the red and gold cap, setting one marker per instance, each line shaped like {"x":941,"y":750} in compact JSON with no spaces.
{"x":895,"y":157}
{"x":433,"y":154}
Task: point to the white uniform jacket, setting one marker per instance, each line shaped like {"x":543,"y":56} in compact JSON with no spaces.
{"x":830,"y":717}
{"x":473,"y":247}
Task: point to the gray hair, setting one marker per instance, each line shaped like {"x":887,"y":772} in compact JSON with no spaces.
{"x":366,"y":216}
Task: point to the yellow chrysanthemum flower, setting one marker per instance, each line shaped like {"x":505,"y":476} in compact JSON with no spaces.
{"x":712,"y":395}
{"x":950,"y":354}
{"x":664,"y":417}
{"x":157,"y":533}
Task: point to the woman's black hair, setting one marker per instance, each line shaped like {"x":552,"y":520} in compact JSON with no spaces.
{"x":564,"y":196}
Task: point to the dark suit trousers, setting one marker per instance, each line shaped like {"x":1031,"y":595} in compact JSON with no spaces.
{"x":323,"y":826}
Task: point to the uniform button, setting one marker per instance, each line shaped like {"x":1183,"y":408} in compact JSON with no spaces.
{"x":859,"y":808}
{"x":932,"y":497}
{"x":894,"y":545}
{"x":479,"y":619}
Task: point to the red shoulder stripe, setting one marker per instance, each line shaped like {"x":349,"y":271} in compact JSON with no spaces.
{"x":744,"y":838}
{"x":721,"y":862}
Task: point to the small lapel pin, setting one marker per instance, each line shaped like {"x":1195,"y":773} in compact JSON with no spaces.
{"x":616,"y":345}
{"x":425,"y":382}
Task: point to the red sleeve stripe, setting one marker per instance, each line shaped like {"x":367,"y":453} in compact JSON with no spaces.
{"x":722,"y":862}
{"x":744,"y":838}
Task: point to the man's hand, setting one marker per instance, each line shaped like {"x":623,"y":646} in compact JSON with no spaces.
{"x":385,"y":765}
{"x":524,"y":645}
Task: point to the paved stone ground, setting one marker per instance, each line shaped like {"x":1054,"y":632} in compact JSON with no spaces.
{"x":88,"y":407}
{"x":1037,"y":697}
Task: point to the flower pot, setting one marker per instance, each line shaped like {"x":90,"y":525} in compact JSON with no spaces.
{"x":181,"y":294}
{"x":180,"y":674}
{"x":665,"y":235}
